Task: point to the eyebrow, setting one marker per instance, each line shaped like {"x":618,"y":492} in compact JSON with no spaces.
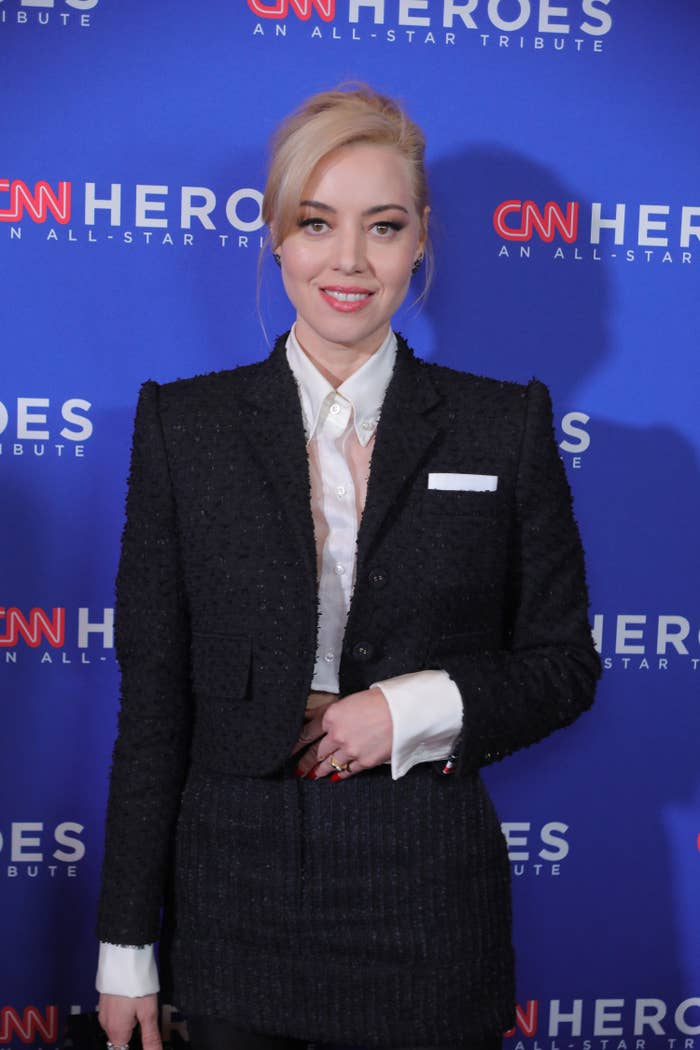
{"x":375,"y":210}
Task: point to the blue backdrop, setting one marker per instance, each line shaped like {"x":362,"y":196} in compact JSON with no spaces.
{"x":564,"y":159}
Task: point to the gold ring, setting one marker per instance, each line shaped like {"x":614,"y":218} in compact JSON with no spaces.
{"x":336,"y":765}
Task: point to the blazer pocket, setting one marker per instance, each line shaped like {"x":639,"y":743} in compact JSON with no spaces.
{"x":446,"y":502}
{"x":220,"y":665}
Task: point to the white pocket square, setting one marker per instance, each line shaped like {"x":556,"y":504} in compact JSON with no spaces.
{"x":463,"y":482}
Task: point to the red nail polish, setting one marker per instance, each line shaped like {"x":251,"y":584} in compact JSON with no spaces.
{"x":335,"y":776}
{"x":299,"y":772}
{"x":311,"y":775}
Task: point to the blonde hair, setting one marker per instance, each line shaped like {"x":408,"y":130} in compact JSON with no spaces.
{"x":328,"y":121}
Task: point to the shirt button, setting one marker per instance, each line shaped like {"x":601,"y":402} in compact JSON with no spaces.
{"x":340,"y":491}
{"x":334,"y":409}
{"x":368,"y":425}
{"x":340,"y":569}
{"x":329,"y":658}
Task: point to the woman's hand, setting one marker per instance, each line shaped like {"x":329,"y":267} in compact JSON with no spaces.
{"x":118,"y":1015}
{"x":357,"y":729}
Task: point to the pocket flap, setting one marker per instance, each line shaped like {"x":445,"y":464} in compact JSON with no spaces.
{"x":220,"y":664}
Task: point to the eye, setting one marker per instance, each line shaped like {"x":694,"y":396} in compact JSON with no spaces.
{"x":313,"y":225}
{"x":387,"y":229}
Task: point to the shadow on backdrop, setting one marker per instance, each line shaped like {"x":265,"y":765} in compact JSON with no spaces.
{"x":625,"y":767}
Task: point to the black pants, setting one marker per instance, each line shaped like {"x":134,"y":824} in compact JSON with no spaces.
{"x":207,"y":1033}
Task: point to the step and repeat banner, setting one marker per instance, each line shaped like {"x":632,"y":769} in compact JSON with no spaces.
{"x":565,"y":168}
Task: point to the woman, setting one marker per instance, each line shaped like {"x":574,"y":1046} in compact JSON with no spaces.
{"x":318,"y":657}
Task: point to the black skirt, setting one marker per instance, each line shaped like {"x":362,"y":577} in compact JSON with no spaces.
{"x":367,"y":911}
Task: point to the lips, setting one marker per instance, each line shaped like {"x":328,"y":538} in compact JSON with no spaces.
{"x":346,"y":300}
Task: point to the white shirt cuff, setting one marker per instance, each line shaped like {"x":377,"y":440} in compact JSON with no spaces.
{"x":127,"y":971}
{"x":426,"y":711}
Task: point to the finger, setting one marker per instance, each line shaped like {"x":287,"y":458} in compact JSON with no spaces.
{"x":150,"y":1035}
{"x":117,"y":1016}
{"x":308,"y":762}
{"x":330,"y":766}
{"x":147,"y":1013}
{"x":329,"y":745}
{"x":311,"y":731}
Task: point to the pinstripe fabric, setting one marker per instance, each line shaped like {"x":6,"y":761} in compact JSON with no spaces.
{"x":295,"y":917}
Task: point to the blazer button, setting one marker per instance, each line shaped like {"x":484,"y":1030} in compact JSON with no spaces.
{"x":378,"y":578}
{"x":363,"y":651}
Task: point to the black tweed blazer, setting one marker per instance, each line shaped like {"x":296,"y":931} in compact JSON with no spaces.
{"x":217,"y":598}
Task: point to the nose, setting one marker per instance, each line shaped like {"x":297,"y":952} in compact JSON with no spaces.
{"x":350,"y":250}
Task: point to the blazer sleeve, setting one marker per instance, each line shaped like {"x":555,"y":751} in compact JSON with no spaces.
{"x":152,"y":646}
{"x":546,"y":675}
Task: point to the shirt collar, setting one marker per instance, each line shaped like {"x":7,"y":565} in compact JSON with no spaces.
{"x":364,"y":389}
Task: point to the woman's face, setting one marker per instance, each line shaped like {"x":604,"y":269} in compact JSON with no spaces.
{"x":347,"y":265}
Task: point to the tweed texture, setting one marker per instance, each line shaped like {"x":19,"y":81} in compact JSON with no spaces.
{"x":333,"y":925}
{"x":369,"y":911}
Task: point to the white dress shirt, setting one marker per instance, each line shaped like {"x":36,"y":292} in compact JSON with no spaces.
{"x":425,"y":706}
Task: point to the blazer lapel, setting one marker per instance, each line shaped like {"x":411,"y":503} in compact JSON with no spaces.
{"x":404,"y":436}
{"x":272,"y":421}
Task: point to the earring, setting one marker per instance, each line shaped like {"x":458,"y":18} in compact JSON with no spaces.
{"x":277,"y":258}
{"x":417,"y":264}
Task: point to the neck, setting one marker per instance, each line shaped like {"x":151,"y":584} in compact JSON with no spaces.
{"x":336,"y":362}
